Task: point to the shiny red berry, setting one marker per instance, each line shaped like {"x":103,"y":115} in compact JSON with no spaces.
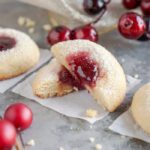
{"x":93,"y":7}
{"x":131,"y":25}
{"x":85,"y":32}
{"x":131,"y":4}
{"x":19,"y":115}
{"x":58,"y":34}
{"x":7,"y":135}
{"x":145,"y":6}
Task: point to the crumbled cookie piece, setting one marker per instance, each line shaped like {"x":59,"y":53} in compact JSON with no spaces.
{"x":31,"y":30}
{"x":92,"y":139}
{"x":25,"y":21}
{"x":136,"y":76}
{"x":98,"y":147}
{"x":91,"y":113}
{"x":29,"y":23}
{"x":46,"y":27}
{"x":21,"y":21}
{"x":31,"y":142}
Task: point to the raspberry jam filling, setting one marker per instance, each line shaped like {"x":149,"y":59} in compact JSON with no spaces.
{"x":85,"y":69}
{"x":6,"y":43}
{"x":66,"y":78}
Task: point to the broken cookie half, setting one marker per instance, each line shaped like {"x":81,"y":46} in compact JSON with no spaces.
{"x":95,"y":68}
{"x":78,"y":64}
{"x":54,"y":80}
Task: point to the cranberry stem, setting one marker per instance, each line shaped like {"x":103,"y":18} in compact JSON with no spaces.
{"x":100,"y":15}
{"x":21,"y":139}
{"x":20,"y":143}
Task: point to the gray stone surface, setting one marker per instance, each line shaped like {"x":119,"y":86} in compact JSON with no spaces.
{"x":50,"y":130}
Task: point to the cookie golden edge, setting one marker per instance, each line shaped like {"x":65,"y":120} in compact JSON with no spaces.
{"x":140,"y":107}
{"x":46,"y":82}
{"x":109,"y":91}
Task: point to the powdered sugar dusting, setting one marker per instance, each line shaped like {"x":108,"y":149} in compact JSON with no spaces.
{"x":23,"y":41}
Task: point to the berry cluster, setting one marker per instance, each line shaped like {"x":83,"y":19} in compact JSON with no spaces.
{"x":132,"y":25}
{"x":62,"y":33}
{"x":88,"y":31}
{"x":17,"y":118}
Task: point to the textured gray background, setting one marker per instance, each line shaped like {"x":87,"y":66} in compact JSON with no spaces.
{"x":50,"y":130}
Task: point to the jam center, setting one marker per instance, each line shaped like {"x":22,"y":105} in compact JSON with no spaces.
{"x":66,"y":78}
{"x":85,"y":69}
{"x":6,"y":43}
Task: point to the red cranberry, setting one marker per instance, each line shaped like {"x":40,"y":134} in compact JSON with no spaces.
{"x":6,"y":43}
{"x":131,"y":4}
{"x":66,"y":78}
{"x":93,"y":7}
{"x":58,"y":34}
{"x":19,"y":115}
{"x":85,"y":32}
{"x":85,"y":69}
{"x":131,"y":25}
{"x":7,"y":135}
{"x":145,"y":6}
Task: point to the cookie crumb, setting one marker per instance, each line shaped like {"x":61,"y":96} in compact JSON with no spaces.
{"x":29,"y":23}
{"x":31,"y":30}
{"x":136,"y":76}
{"x":21,"y":21}
{"x":61,"y":148}
{"x":92,"y":139}
{"x":26,"y":22}
{"x":98,"y":147}
{"x":31,"y":142}
{"x":91,"y":113}
{"x":46,"y":27}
